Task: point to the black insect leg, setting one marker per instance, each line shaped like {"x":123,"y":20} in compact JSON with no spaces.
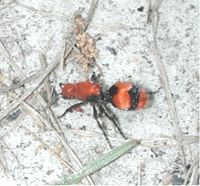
{"x":70,"y":109}
{"x":110,"y":115}
{"x":100,"y":125}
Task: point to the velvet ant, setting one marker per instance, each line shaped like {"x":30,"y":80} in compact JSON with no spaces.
{"x":122,"y":95}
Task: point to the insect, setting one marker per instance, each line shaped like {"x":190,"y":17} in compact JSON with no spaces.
{"x":122,"y":95}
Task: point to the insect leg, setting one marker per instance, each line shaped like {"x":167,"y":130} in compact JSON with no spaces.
{"x":70,"y":109}
{"x":111,"y":116}
{"x":100,"y":125}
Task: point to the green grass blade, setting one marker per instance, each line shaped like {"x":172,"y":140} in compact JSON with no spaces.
{"x":101,"y":162}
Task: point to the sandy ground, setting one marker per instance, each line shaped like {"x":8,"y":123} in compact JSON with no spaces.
{"x":31,"y":152}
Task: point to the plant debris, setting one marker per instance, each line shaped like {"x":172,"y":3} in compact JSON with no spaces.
{"x":87,"y":52}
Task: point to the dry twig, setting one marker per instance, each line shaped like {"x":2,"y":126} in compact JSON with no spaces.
{"x":6,"y":5}
{"x":154,"y":19}
{"x":3,"y":161}
{"x":47,"y":85}
{"x":37,"y":84}
{"x":22,"y":82}
{"x":31,"y":90}
{"x":193,"y":173}
{"x":50,"y":150}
